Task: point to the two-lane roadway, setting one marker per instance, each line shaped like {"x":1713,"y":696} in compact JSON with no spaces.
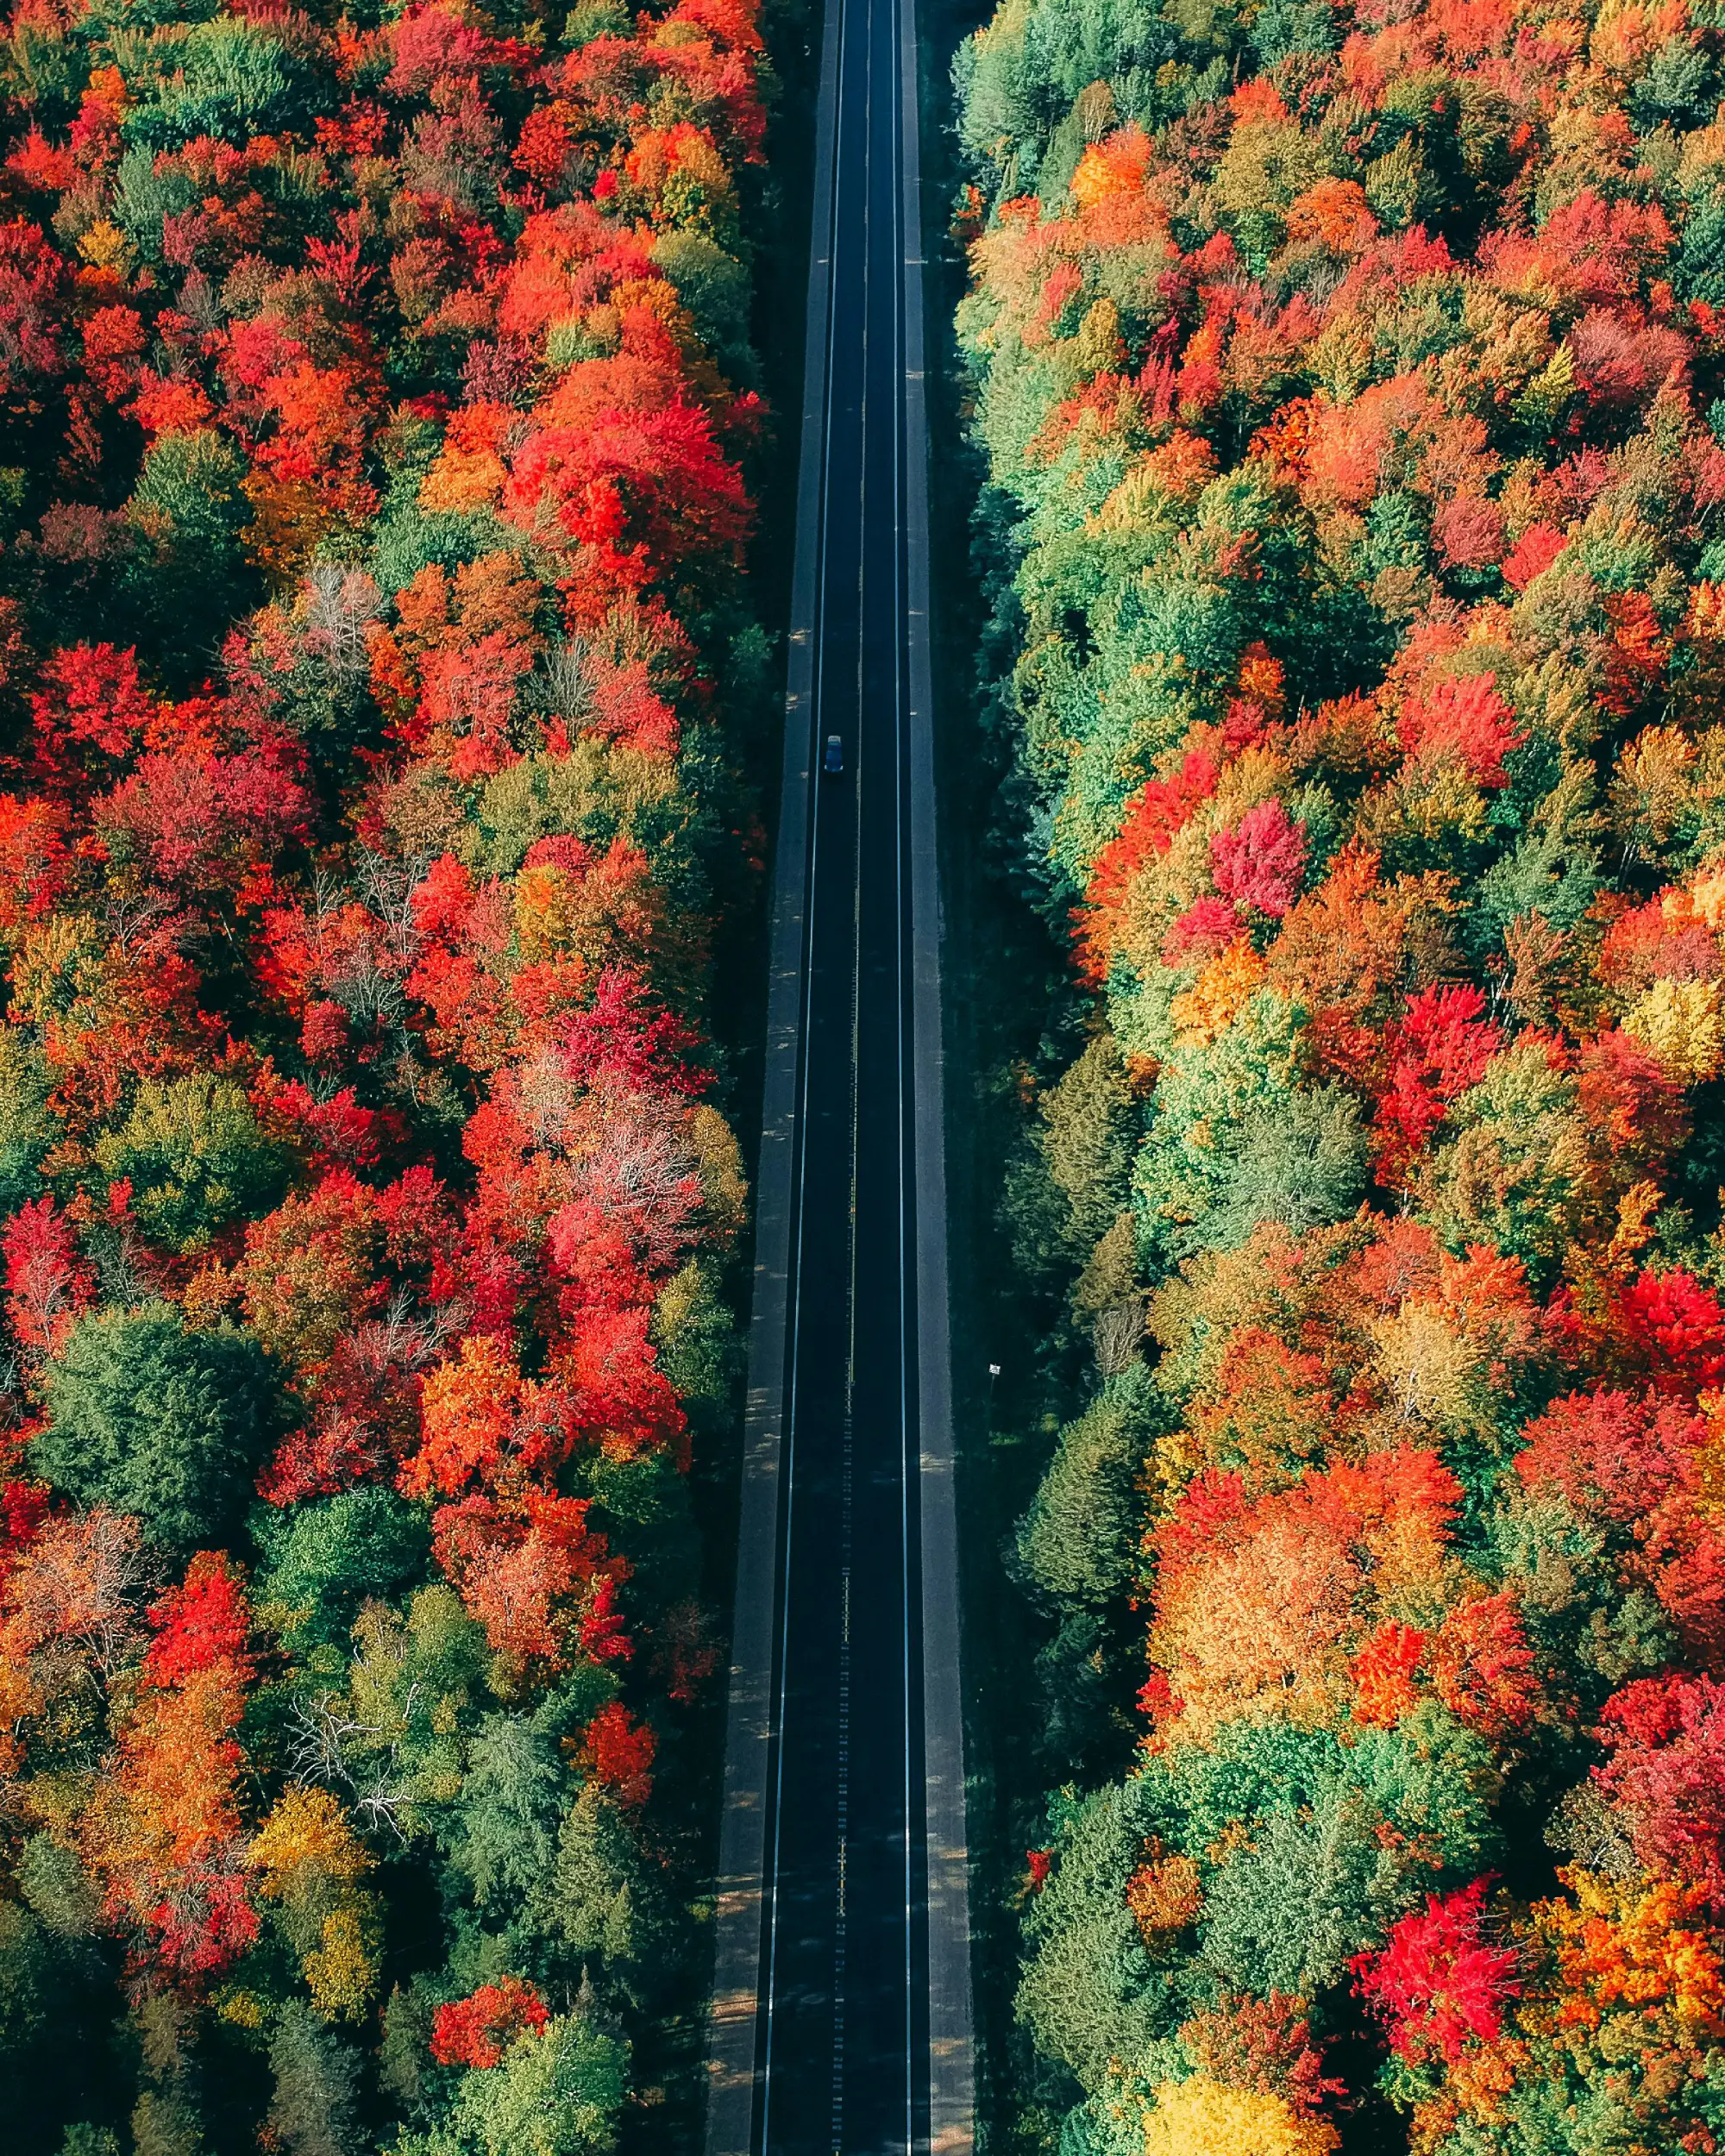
{"x":841,"y":1992}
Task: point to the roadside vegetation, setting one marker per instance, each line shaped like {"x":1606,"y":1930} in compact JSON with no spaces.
{"x":1348,"y":385}
{"x":381,"y":694}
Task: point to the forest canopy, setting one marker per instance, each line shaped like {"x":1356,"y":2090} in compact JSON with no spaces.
{"x":1349,"y":386}
{"x":377,"y":685}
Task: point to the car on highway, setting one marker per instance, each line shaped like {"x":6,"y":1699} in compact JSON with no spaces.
{"x":832,"y":762}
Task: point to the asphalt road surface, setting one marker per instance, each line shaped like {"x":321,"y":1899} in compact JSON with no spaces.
{"x":842,"y":2007}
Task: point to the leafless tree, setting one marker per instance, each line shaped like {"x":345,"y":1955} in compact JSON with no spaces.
{"x":82,"y":1584}
{"x":340,"y":605}
{"x":641,"y":1176}
{"x":546,"y":1095}
{"x":325,"y":1735}
{"x":1118,"y":1334}
{"x":565,"y":681}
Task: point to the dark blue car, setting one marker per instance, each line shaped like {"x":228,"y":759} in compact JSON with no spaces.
{"x":833,"y":762}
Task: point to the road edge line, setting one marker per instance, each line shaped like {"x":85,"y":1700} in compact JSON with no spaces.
{"x":733,"y":2017}
{"x":952,"y":2068}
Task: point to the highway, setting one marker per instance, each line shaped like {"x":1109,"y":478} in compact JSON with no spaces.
{"x":842,"y":2008}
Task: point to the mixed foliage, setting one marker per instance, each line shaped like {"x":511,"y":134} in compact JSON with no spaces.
{"x":1349,"y":379}
{"x":377,"y":673}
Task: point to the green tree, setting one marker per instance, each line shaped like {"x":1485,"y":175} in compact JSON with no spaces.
{"x":57,"y":1888}
{"x":696,"y":1336}
{"x":322,"y":1559}
{"x":189,"y":570}
{"x":165,"y":2123}
{"x":1078,"y":1540}
{"x":611,"y":1906}
{"x":557,"y":2092}
{"x":1520,"y":1172}
{"x":231,"y":81}
{"x":85,"y":2139}
{"x":148,"y":1418}
{"x":1300,"y":1162}
{"x":312,"y":2111}
{"x":28,"y":1127}
{"x":642,"y":1508}
{"x":196,"y":1158}
{"x":1289,"y":1914}
{"x":1088,"y":1126}
{"x":1072,"y":1177}
{"x":1090,"y":1992}
{"x":26,"y":1985}
{"x":502,"y":1833}
{"x":406,"y":2070}
{"x":714,"y":287}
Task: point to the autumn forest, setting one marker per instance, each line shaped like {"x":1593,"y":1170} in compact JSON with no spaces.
{"x":377,"y":393}
{"x":392,"y":658}
{"x":1350,"y":387}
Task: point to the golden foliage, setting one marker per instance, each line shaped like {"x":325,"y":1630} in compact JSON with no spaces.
{"x":1679,"y":1021}
{"x":1200,"y":2117}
